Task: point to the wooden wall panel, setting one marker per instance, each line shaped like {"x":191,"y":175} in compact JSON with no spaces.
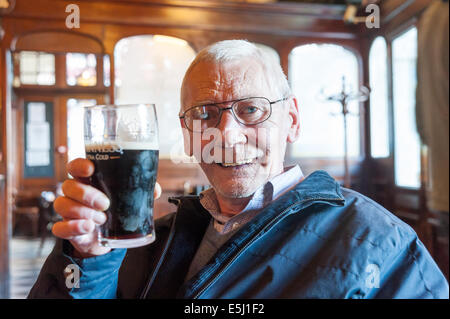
{"x":279,"y":25}
{"x":4,"y":207}
{"x":58,"y":41}
{"x":276,"y":18}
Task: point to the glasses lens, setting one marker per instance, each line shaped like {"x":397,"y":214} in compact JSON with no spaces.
{"x":200,"y":118}
{"x":252,"y":111}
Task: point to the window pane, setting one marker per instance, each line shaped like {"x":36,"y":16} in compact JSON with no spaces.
{"x":37,"y":68}
{"x":407,"y":143}
{"x":379,"y":115}
{"x":314,"y":67}
{"x":106,"y":71}
{"x":29,"y":62}
{"x":150,"y":69}
{"x":38,"y":139}
{"x":75,"y":138}
{"x":81,"y":69}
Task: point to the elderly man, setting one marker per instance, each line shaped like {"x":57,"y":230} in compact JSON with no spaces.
{"x":262,"y":230}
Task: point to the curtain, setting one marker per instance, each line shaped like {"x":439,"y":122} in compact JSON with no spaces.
{"x":432,"y":109}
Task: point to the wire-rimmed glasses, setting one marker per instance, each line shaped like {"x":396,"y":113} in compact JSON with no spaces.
{"x":247,"y":111}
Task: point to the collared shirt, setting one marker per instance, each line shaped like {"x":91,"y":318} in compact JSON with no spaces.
{"x":222,"y":227}
{"x":263,"y":196}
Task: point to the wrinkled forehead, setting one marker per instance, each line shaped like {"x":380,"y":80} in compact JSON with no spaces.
{"x":209,"y":82}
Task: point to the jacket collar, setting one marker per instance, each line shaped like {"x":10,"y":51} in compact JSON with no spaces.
{"x":319,"y":185}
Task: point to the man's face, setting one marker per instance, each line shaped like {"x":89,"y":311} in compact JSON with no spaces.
{"x":250,"y":155}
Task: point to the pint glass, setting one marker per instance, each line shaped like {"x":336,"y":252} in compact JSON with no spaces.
{"x":122,"y":142}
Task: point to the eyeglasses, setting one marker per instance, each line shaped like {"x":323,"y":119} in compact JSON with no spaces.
{"x":248,"y":111}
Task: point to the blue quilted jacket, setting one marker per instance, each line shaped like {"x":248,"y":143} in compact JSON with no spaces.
{"x":316,"y":241}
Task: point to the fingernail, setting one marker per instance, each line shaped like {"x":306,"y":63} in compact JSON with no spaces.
{"x":101,"y":202}
{"x":88,"y":226}
{"x":99,"y":217}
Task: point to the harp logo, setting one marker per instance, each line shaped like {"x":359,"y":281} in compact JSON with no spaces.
{"x":73,"y":19}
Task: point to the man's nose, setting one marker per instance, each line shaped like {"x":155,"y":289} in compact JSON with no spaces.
{"x":231,"y":129}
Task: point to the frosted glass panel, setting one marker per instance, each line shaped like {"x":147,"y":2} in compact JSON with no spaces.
{"x":150,"y":69}
{"x":81,"y":69}
{"x":106,"y":71}
{"x":75,"y":138}
{"x":36,"y":68}
{"x":316,"y":67}
{"x":407,"y":142}
{"x":379,"y":116}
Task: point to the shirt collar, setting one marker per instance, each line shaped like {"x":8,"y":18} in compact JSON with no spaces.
{"x":263,"y":196}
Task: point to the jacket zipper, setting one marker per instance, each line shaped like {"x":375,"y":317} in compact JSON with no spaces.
{"x":271,"y":224}
{"x":160,"y":261}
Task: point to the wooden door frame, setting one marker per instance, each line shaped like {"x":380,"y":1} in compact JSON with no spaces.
{"x":31,"y":184}
{"x":36,"y":185}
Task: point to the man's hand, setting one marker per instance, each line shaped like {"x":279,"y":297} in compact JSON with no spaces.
{"x":82,"y":208}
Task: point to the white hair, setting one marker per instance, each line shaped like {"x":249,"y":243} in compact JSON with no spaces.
{"x":233,"y":50}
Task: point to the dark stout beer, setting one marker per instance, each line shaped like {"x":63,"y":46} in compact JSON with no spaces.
{"x":127,"y":175}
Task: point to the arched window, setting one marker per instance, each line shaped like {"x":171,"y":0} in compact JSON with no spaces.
{"x":379,"y":115}
{"x":316,"y":68}
{"x":150,"y":69}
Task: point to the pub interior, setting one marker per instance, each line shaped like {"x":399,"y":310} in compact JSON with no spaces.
{"x":58,"y":56}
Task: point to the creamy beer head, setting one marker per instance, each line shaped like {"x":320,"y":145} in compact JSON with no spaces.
{"x":117,"y":145}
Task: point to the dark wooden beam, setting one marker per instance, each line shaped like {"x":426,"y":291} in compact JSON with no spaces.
{"x":394,"y":13}
{"x":273,"y":18}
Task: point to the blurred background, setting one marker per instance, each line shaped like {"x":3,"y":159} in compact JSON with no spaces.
{"x":371,"y":78}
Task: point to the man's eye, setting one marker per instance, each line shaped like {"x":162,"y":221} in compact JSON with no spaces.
{"x":203,"y":116}
{"x":249,"y":110}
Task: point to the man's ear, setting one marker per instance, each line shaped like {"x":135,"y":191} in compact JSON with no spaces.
{"x":294,"y":115}
{"x":187,"y":139}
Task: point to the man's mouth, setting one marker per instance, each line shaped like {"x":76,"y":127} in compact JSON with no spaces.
{"x":239,"y":163}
